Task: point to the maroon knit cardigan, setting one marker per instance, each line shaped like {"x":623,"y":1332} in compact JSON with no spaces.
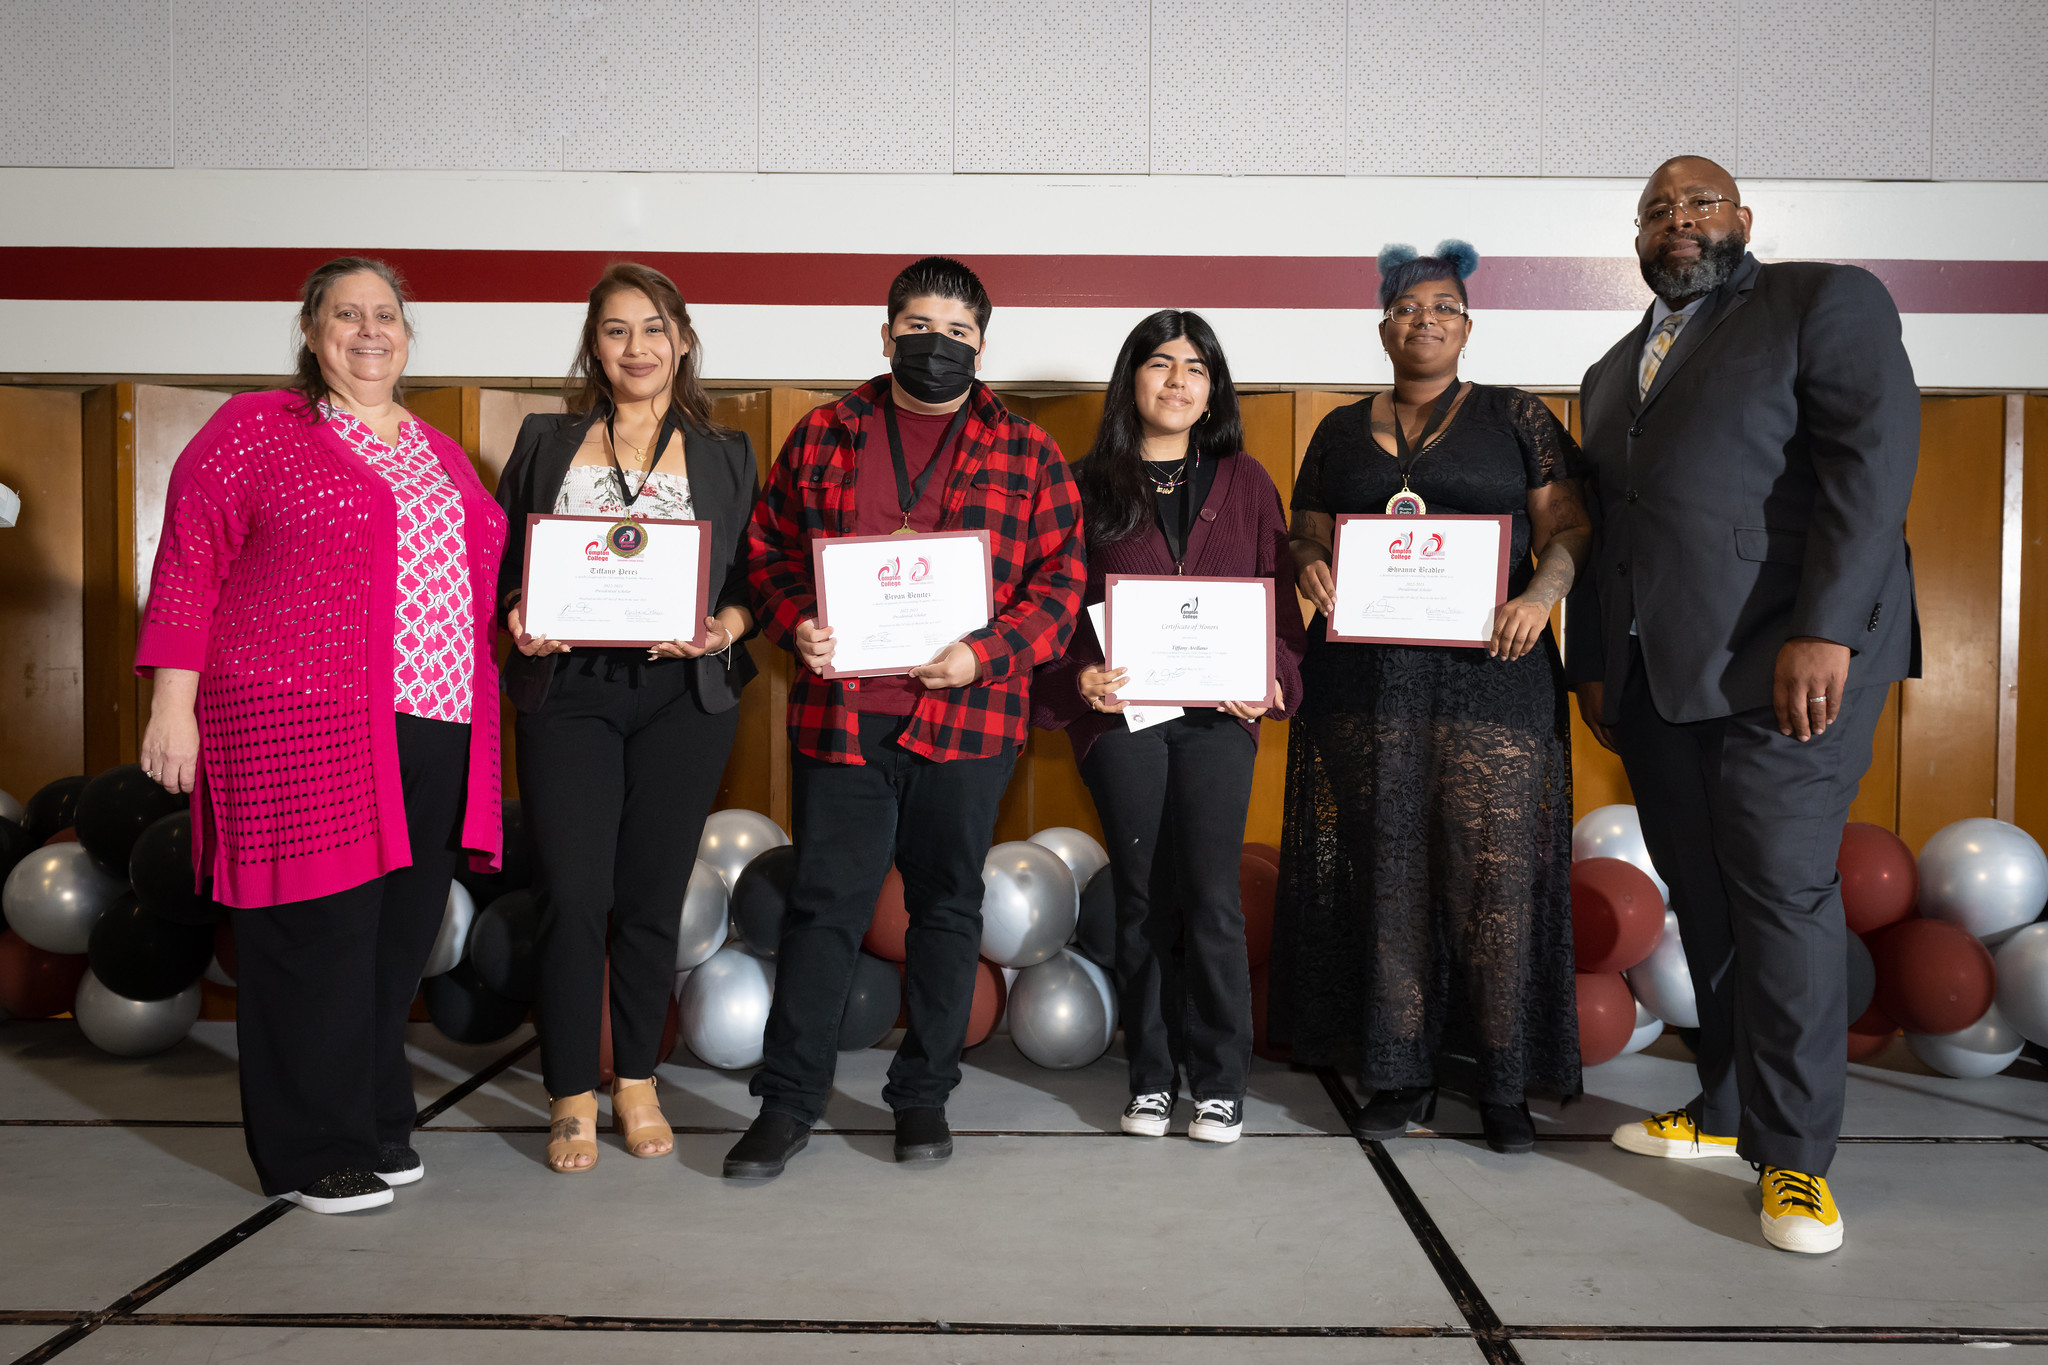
{"x":1241,"y":533}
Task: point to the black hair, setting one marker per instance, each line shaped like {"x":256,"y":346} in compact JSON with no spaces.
{"x":1401,"y":269}
{"x":1116,"y":497}
{"x":940,"y":277}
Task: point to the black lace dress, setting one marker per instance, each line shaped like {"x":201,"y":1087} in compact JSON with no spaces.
{"x":1423,"y":922}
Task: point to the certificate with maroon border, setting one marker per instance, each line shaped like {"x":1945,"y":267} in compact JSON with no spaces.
{"x":615,"y":580}
{"x":893,"y":602}
{"x":1427,"y":580}
{"x":1189,"y":641}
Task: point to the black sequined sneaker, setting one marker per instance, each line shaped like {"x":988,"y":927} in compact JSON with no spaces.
{"x":344,"y":1191}
{"x":1148,"y":1115}
{"x":398,"y":1164}
{"x":1217,"y":1120}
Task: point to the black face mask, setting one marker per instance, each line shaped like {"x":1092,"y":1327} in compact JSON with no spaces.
{"x":933,"y":368}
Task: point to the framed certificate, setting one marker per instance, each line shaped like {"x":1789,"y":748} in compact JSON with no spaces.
{"x":614,"y":581}
{"x":892,"y":602}
{"x":1428,"y":580}
{"x":1190,"y":641}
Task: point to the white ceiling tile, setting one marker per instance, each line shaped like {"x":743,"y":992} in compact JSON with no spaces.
{"x":1991,"y":90}
{"x":476,"y":84}
{"x":85,"y":83}
{"x":856,"y":85}
{"x":1627,"y":85}
{"x":1248,"y":87}
{"x":1056,"y":86}
{"x":1837,"y":89}
{"x":1445,"y":87}
{"x":673,"y":86}
{"x":264,"y":84}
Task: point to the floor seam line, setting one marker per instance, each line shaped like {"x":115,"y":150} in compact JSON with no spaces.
{"x":789,"y":1326}
{"x":474,"y":1083}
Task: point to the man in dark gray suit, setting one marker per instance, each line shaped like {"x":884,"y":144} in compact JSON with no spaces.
{"x":1748,"y":599}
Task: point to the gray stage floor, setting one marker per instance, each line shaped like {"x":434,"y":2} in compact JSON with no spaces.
{"x":134,"y":1229}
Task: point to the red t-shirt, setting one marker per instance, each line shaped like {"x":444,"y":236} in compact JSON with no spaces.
{"x":878,"y":511}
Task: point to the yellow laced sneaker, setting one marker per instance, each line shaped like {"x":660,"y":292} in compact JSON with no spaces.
{"x":1799,"y":1213}
{"x":1671,"y":1135}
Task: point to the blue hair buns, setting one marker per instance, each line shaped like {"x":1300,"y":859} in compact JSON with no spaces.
{"x":1397,"y":254}
{"x":1462,"y":256}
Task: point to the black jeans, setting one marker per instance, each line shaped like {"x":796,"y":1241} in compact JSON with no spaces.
{"x":617,"y":772}
{"x":1745,"y":825}
{"x":1172,"y":800}
{"x":935,"y":820}
{"x":324,"y":986}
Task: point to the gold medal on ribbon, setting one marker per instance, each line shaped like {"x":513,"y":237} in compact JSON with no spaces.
{"x":1406,"y":503}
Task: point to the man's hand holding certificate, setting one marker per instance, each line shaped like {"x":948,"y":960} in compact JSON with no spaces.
{"x":1191,"y":641}
{"x":612,"y":581}
{"x":893,"y":602}
{"x":1427,"y":580}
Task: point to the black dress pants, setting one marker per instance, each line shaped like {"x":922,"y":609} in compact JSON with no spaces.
{"x":617,"y":772}
{"x":323,"y":987}
{"x":1745,"y":825}
{"x":1172,"y":799}
{"x":935,"y":820}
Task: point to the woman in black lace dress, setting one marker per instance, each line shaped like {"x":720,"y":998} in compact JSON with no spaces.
{"x":1425,"y":906}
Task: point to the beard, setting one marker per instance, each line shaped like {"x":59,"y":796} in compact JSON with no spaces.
{"x":1706,"y":273}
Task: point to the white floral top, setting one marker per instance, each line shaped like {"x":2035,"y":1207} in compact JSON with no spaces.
{"x":592,"y":490}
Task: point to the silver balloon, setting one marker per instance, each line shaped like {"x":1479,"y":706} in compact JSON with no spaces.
{"x":723,"y":1009}
{"x":1077,"y":849}
{"x":133,"y":1028}
{"x":55,"y":895}
{"x":1985,"y":1048}
{"x":1984,"y":875}
{"x":1029,"y":904}
{"x":2022,"y":964}
{"x":1063,"y":1011}
{"x":732,"y":839}
{"x":1663,"y":982}
{"x":1616,"y":832}
{"x":1648,"y":1029}
{"x":10,"y":809}
{"x":218,"y":974}
{"x":454,"y":935}
{"x":703,"y":928}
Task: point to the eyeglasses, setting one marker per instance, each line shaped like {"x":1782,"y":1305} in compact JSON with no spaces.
{"x":1443,"y":310}
{"x":1693,"y":208}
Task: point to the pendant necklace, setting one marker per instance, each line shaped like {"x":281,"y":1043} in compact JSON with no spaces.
{"x":1174,"y":480}
{"x":1407,"y":502}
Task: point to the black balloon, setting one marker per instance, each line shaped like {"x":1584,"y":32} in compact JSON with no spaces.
{"x":141,"y":956}
{"x":504,"y":946}
{"x":515,"y":863}
{"x":1095,"y":931}
{"x":1862,"y":977}
{"x":761,"y":895}
{"x":51,"y":809}
{"x":114,"y":809}
{"x":872,"y":1004}
{"x":15,"y":844}
{"x":160,"y":870}
{"x":467,"y":1010}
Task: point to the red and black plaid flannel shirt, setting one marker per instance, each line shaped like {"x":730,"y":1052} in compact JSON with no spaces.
{"x":1008,"y":478}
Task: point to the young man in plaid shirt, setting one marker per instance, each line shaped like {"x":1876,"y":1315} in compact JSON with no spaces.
{"x":905,"y":769}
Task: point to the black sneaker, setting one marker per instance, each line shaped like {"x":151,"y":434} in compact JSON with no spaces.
{"x":398,"y":1164}
{"x":344,"y":1191}
{"x":1509,"y":1128}
{"x":1217,"y":1120}
{"x":1148,"y":1115}
{"x":767,"y":1146}
{"x":1390,"y":1112}
{"x":922,"y":1134}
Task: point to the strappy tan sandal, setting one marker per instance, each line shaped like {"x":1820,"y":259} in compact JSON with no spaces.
{"x":572,"y":1132}
{"x":633,"y":1095}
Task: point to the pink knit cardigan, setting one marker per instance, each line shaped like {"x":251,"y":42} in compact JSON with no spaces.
{"x":277,"y":581}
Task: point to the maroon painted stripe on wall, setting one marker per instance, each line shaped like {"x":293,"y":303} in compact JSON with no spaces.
{"x":817,"y":279}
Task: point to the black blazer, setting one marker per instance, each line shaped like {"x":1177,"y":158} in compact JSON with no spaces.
{"x":723,"y":485}
{"x":1756,"y":493}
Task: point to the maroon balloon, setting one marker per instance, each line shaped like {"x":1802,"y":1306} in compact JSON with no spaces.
{"x":1932,"y":976}
{"x":886,"y":930}
{"x":1880,"y":880}
{"x":1871,"y":1034}
{"x":1607,"y":1016}
{"x":1617,"y":915}
{"x":35,"y":984}
{"x":1266,"y":851}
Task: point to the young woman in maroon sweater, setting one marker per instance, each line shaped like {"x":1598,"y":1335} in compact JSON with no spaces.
{"x":1165,"y":489}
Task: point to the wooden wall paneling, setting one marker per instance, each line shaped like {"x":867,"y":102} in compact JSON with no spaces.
{"x":2011,"y":557}
{"x":749,"y":781}
{"x":1069,"y":418}
{"x":42,"y":564}
{"x":2030,"y":771}
{"x":1877,"y":798}
{"x":1948,"y":718}
{"x":499,"y":413}
{"x":1598,"y":778}
{"x":455,"y":412}
{"x":1269,"y":438}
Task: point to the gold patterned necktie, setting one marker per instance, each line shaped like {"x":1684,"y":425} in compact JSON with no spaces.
{"x":1660,"y":346}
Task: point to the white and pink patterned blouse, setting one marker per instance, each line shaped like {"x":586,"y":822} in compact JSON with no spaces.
{"x":434,"y":623}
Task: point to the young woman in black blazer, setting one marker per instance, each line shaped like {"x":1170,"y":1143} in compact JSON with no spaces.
{"x":621,"y":750}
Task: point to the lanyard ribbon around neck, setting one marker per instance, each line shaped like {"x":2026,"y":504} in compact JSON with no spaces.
{"x":611,"y":448}
{"x":910,"y":492}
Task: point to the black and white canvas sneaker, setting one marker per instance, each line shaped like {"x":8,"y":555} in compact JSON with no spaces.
{"x":1148,"y":1115}
{"x":1217,"y":1120}
{"x":348,"y":1191}
{"x":398,"y":1164}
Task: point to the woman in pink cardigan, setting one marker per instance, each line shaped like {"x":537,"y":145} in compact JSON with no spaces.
{"x":319,"y":627}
